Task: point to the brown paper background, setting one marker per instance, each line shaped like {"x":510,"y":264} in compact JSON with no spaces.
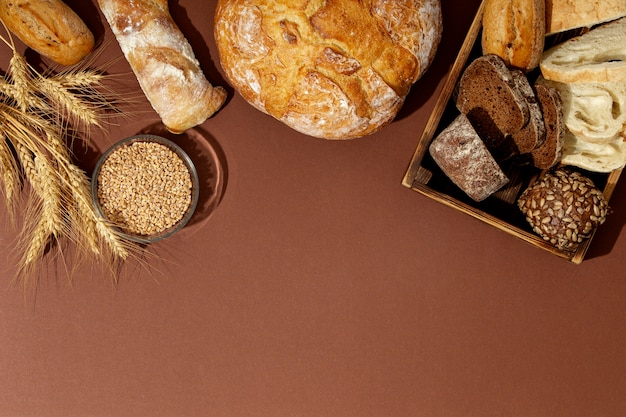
{"x":320,"y":286}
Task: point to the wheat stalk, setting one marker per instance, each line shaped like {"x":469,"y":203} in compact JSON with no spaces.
{"x":40,"y":114}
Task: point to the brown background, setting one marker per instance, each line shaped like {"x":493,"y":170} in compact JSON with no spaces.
{"x":320,"y":286}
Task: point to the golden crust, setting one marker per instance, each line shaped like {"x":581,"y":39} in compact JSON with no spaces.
{"x":163,"y":62}
{"x":50,"y":27}
{"x":515,"y":31}
{"x":335,"y":69}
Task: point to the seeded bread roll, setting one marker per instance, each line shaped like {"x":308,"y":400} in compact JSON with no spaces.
{"x":595,"y":56}
{"x":50,"y":27}
{"x":491,"y":100}
{"x":564,"y":208}
{"x":163,"y":62}
{"x":562,"y":15}
{"x":515,"y":31}
{"x":464,"y":158}
{"x":337,"y":69}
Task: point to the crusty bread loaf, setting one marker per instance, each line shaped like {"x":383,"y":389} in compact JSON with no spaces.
{"x":338,"y":69}
{"x":563,"y":15}
{"x":550,"y":152}
{"x":163,"y":62}
{"x":463,"y":157}
{"x":515,"y":31}
{"x":594,"y":157}
{"x":491,"y":100}
{"x":595,"y":112}
{"x":595,"y":120}
{"x":595,"y":56}
{"x":50,"y":27}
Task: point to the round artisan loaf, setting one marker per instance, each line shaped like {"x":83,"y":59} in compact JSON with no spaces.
{"x":335,"y":69}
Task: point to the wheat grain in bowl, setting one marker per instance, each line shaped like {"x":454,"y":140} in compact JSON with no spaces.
{"x":147,"y":186}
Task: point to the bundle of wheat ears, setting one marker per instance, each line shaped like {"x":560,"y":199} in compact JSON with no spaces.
{"x":41,"y":114}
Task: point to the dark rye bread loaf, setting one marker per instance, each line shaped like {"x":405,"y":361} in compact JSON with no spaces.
{"x":465,"y":160}
{"x":550,"y":152}
{"x":491,"y":100}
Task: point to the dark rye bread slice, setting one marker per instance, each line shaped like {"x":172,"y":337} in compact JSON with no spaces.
{"x":533,"y":133}
{"x":465,"y":160}
{"x":550,"y":152}
{"x":491,"y":100}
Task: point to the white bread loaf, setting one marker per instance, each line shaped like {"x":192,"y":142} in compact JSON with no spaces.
{"x":49,"y":27}
{"x":595,"y":56}
{"x":337,"y":69}
{"x":594,"y":157}
{"x":515,"y":31}
{"x":595,"y":118}
{"x":595,"y":112}
{"x":563,"y":15}
{"x":163,"y":62}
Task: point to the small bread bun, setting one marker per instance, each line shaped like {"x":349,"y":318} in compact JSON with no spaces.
{"x":515,"y":31}
{"x":49,"y":27}
{"x":337,"y":69}
{"x":564,"y":208}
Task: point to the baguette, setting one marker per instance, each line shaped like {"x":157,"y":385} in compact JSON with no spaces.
{"x":595,"y":56}
{"x":515,"y":31}
{"x":49,"y":27}
{"x":163,"y":62}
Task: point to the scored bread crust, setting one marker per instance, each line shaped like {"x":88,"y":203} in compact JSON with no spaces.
{"x":514,"y":30}
{"x":337,"y":69}
{"x":49,"y":27}
{"x":595,"y":56}
{"x":163,"y":62}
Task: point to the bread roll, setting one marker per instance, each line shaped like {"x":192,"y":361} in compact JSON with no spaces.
{"x":50,"y":27}
{"x":337,"y":69}
{"x":163,"y":62}
{"x":515,"y":31}
{"x":562,"y":15}
{"x":564,"y":207}
{"x":596,"y":56}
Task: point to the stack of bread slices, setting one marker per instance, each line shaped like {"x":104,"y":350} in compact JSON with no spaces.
{"x":561,"y":106}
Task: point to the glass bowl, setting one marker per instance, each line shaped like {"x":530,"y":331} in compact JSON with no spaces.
{"x":132,"y":192}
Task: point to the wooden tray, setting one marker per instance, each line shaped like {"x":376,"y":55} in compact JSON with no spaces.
{"x":499,"y":210}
